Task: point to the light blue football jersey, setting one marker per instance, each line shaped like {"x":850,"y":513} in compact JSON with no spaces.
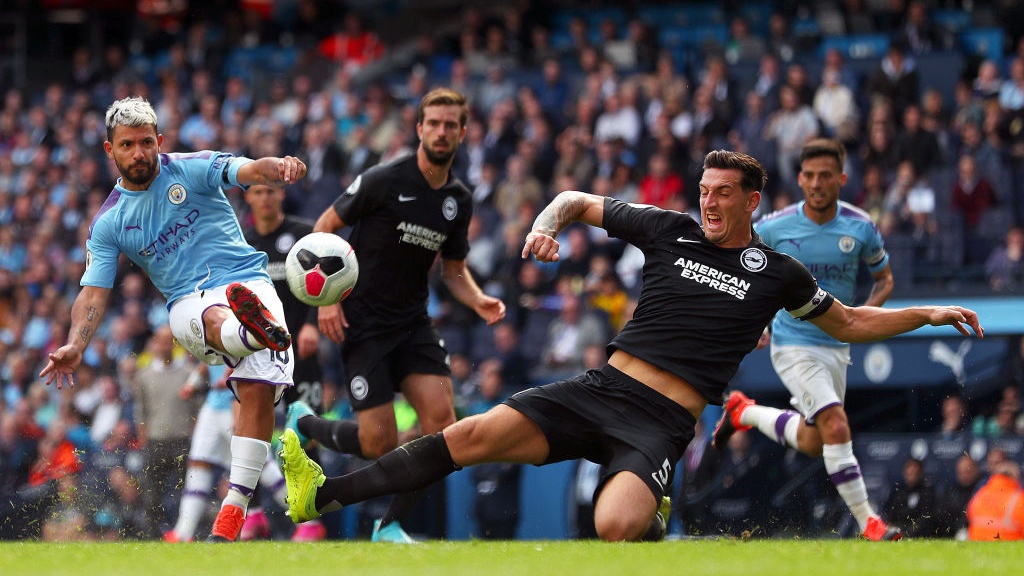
{"x":831,"y":252}
{"x":182,"y":231}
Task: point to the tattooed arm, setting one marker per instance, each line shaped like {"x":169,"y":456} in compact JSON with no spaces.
{"x":569,"y":206}
{"x":86,"y":315}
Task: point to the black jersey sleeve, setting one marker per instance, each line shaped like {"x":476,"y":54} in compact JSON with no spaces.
{"x":640,"y":224}
{"x":804,"y":298}
{"x":362,"y":196}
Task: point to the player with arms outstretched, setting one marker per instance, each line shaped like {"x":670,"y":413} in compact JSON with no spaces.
{"x":709,"y":289}
{"x":168,"y":214}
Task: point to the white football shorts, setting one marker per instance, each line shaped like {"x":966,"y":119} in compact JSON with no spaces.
{"x":268,"y":366}
{"x":814,"y":375}
{"x":211,"y":439}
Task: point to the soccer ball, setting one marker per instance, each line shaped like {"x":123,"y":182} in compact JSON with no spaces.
{"x":321,"y":269}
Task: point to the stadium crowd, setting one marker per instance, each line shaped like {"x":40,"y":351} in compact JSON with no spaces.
{"x":603,"y":99}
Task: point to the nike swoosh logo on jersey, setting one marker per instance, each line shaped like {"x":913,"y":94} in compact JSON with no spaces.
{"x":687,"y":240}
{"x":404,"y":198}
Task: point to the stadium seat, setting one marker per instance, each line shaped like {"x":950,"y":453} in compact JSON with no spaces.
{"x":984,"y":43}
{"x":857,"y":46}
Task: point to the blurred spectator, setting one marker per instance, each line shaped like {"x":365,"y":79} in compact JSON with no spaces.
{"x":1005,"y":266}
{"x":912,"y":503}
{"x":1011,"y":92}
{"x":896,"y":79}
{"x":1004,"y":420}
{"x":790,"y":128}
{"x":781,"y":41}
{"x":952,"y":516}
{"x":996,"y":511}
{"x":568,"y":336}
{"x":606,"y":293}
{"x":955,"y":423}
{"x":552,"y":90}
{"x":916,"y":143}
{"x":986,"y":157}
{"x":871,"y":197}
{"x":909,"y":204}
{"x":987,"y":84}
{"x":618,"y":120}
{"x":972,"y":197}
{"x":109,"y":411}
{"x":836,"y":106}
{"x":497,"y":87}
{"x":743,"y":46}
{"x":917,"y":31}
{"x":518,"y":187}
{"x":352,"y":45}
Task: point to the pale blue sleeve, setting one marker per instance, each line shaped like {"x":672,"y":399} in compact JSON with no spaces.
{"x":101,"y":256}
{"x":874,"y":255}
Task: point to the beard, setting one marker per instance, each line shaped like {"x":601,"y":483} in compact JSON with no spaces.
{"x":140,"y":173}
{"x":440,"y":159}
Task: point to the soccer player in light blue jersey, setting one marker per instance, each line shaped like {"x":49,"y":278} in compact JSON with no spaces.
{"x":832,"y":239}
{"x":168,"y":214}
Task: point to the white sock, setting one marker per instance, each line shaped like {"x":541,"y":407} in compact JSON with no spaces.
{"x":272,"y":479}
{"x":779,"y":425}
{"x":844,"y":471}
{"x":247,"y":458}
{"x":236,"y":340}
{"x":195,"y":499}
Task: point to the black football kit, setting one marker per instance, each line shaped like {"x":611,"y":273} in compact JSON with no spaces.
{"x":701,"y":310}
{"x":399,"y":226}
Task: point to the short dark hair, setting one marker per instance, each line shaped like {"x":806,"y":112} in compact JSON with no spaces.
{"x":754,"y":177}
{"x":818,"y":147}
{"x":445,"y":97}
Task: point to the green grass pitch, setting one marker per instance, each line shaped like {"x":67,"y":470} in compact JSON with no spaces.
{"x":533,"y":558}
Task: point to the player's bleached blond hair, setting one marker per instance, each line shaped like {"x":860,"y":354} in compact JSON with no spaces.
{"x":131,"y":111}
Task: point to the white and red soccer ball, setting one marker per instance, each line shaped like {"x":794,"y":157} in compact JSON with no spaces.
{"x":321,"y":269}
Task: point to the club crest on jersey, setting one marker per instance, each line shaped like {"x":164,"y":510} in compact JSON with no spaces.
{"x":847,"y":244}
{"x":449,"y":208}
{"x":753,"y":259}
{"x":176,"y":194}
{"x":354,"y":186}
{"x":284,"y":242}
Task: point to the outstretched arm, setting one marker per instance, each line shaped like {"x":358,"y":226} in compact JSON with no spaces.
{"x":272,"y":170}
{"x":457,"y":278}
{"x":86,"y":314}
{"x":869,"y":323}
{"x":569,"y":206}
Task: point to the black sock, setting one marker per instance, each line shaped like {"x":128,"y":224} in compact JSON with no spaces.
{"x":338,"y":435}
{"x":401,"y":505}
{"x":409,"y":467}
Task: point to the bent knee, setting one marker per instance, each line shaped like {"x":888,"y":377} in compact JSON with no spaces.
{"x":376,"y":445}
{"x":622,"y":529}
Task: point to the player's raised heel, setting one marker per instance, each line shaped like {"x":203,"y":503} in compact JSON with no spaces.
{"x":258,"y":321}
{"x":735,"y":403}
{"x":879,"y":531}
{"x":302,"y":476}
